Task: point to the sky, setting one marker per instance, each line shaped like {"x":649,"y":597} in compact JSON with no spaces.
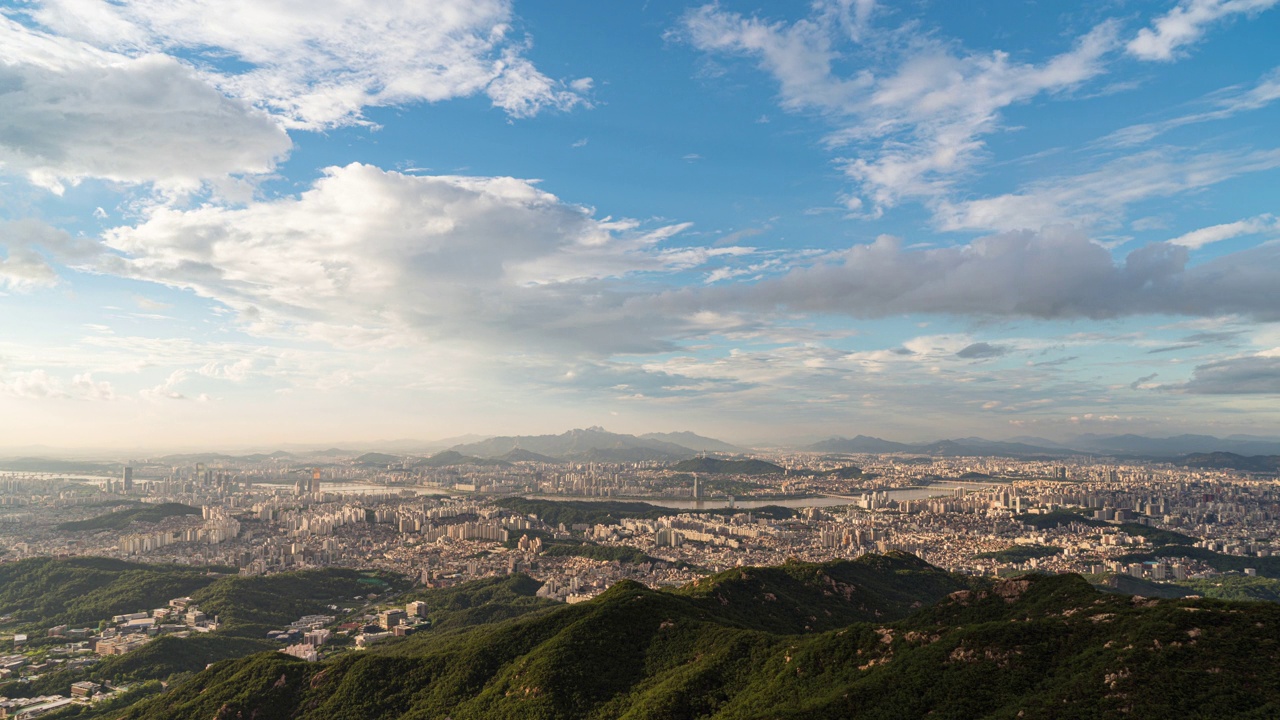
{"x":252,"y":222}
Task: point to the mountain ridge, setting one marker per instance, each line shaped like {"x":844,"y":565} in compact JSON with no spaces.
{"x":594,"y":443}
{"x":759,"y":643}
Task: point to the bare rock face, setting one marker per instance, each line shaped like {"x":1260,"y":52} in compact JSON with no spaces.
{"x":1011,"y":590}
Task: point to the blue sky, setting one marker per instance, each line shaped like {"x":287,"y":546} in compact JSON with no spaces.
{"x":241,"y":224}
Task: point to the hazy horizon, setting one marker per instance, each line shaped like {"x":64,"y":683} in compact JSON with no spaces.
{"x":419,"y":220}
{"x":430,"y":446}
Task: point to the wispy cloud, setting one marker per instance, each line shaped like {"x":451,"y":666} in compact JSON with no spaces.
{"x":1224,"y":104}
{"x":1185,"y":24}
{"x":1226,"y":231}
{"x":915,"y":128}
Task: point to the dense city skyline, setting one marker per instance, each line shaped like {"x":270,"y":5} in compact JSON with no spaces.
{"x":244,"y":227}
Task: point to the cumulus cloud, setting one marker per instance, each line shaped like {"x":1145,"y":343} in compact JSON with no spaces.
{"x":914,"y":128}
{"x":23,"y":269}
{"x":70,"y":111}
{"x":1250,"y":375}
{"x":30,"y":247}
{"x":90,"y":389}
{"x":321,"y":65}
{"x":38,"y":384}
{"x":1055,"y":273}
{"x":1186,"y":23}
{"x":33,"y":385}
{"x":368,"y":256}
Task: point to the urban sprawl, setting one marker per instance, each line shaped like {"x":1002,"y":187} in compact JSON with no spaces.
{"x":452,"y":524}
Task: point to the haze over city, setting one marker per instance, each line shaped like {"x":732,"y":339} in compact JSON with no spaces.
{"x":242,"y":228}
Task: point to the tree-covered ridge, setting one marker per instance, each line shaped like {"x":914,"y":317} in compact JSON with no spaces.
{"x":604,"y":553}
{"x":1222,"y":587}
{"x":43,"y":592}
{"x":1266,"y":566}
{"x":482,"y":601}
{"x":1045,"y":521}
{"x":1021,"y":553}
{"x":251,"y":605}
{"x":735,"y":467}
{"x":1236,"y":587}
{"x":1232,"y":461}
{"x":808,"y":597}
{"x":1034,"y":647}
{"x":122,"y":519}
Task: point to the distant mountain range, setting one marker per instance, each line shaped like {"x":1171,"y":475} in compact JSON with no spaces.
{"x":945,"y":448}
{"x":1177,"y":445}
{"x":595,"y":444}
{"x":693,"y":441}
{"x":1114,"y":445}
{"x":591,"y":444}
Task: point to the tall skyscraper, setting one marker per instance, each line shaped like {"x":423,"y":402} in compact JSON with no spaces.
{"x":127,"y":479}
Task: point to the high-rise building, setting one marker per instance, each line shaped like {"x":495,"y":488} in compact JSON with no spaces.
{"x":127,"y":479}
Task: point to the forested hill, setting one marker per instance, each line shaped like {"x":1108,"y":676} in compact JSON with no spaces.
{"x":880,"y":637}
{"x":42,"y":592}
{"x":737,"y":467}
{"x":123,"y":518}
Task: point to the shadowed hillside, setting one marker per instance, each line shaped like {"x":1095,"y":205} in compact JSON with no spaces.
{"x":1033,"y":647}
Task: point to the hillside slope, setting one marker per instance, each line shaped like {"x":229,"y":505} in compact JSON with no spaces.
{"x":1034,"y":647}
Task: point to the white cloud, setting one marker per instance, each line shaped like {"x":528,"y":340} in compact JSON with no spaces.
{"x":38,"y":384}
{"x":1226,"y":231}
{"x":373,"y":257}
{"x":91,"y":389}
{"x":237,"y":371}
{"x":1100,"y":196}
{"x":69,"y":111}
{"x":1186,"y":23}
{"x":1225,"y":103}
{"x":167,"y":390}
{"x":319,"y":64}
{"x":23,"y":269}
{"x":799,"y":56}
{"x":925,"y":123}
{"x":30,"y":246}
{"x":913,"y":129}
{"x":33,"y":385}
